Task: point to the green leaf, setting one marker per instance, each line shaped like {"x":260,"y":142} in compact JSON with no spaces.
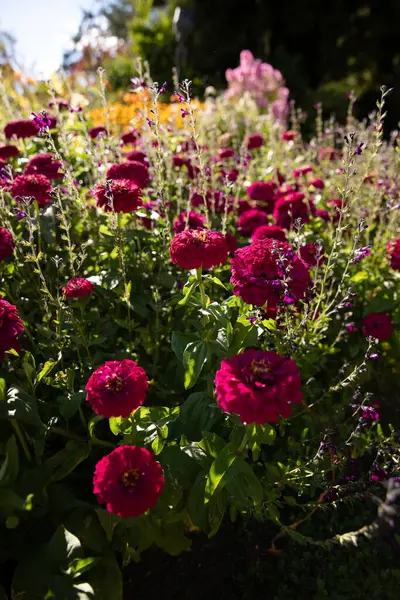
{"x":219,"y":470}
{"x":171,"y":538}
{"x":105,"y":577}
{"x":194,"y":358}
{"x":179,"y":465}
{"x":187,"y":292}
{"x":29,"y":366}
{"x":217,"y":282}
{"x":65,"y":461}
{"x":22,"y":407}
{"x":198,"y":413}
{"x":198,"y":511}
{"x":212,"y":444}
{"x":3,"y":389}
{"x":116,"y":425}
{"x":64,"y":547}
{"x":243,"y":485}
{"x":70,"y":404}
{"x":179,"y":341}
{"x":9,"y":468}
{"x":46,"y":369}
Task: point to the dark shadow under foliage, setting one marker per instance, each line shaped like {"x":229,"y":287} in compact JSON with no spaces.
{"x":236,"y":565}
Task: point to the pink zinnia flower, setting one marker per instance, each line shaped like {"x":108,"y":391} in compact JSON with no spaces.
{"x":6,"y":243}
{"x":255,"y":140}
{"x":290,"y":208}
{"x":269,"y":231}
{"x":196,"y":248}
{"x":21,"y":129}
{"x":10,"y":327}
{"x":393,"y":250}
{"x":263,"y":192}
{"x":258,"y":386}
{"x":250,"y":220}
{"x":122,"y":195}
{"x":311,"y":254}
{"x":44,"y":164}
{"x":266,"y":271}
{"x":94,"y":132}
{"x":130,"y":137}
{"x":8,"y":151}
{"x":117,"y":388}
{"x":128,"y":481}
{"x":137,"y":156}
{"x":191,"y":220}
{"x":304,"y":170}
{"x":317,"y":182}
{"x":377,"y":325}
{"x":132,"y":170}
{"x":32,"y":186}
{"x":78,"y":288}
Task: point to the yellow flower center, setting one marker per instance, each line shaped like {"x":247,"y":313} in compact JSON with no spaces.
{"x":114,"y":383}
{"x":129,"y":478}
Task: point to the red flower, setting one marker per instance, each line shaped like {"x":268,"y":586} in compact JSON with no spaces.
{"x":311,"y":255}
{"x":8,"y":151}
{"x":304,"y":170}
{"x":6,"y":243}
{"x":322,"y":214}
{"x":128,"y":481}
{"x":60,"y":102}
{"x":393,"y":250}
{"x":226,"y":153}
{"x":23,"y":128}
{"x":130,"y":137}
{"x":255,"y":140}
{"x":250,"y":220}
{"x":290,"y":208}
{"x":137,"y":156}
{"x":377,"y":325}
{"x":44,"y":164}
{"x":94,"y":132}
{"x":193,"y":248}
{"x":289,"y":135}
{"x":263,"y":191}
{"x":192,"y":171}
{"x":267,"y":271}
{"x":32,"y":186}
{"x":78,"y":288}
{"x":117,"y":388}
{"x":178,"y":160}
{"x":122,"y":194}
{"x":132,"y":170}
{"x":317,"y":182}
{"x":191,"y":220}
{"x":10,"y":327}
{"x":258,"y":386}
{"x":269,"y":231}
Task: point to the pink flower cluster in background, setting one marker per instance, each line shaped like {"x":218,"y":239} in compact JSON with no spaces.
{"x":265,"y":84}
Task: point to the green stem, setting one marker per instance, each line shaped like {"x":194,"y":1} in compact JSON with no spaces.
{"x":243,"y":442}
{"x":22,"y":440}
{"x":201,"y":287}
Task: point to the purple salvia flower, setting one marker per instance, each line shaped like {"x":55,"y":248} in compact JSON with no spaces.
{"x":163,"y":87}
{"x":41,"y":120}
{"x":361,"y":253}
